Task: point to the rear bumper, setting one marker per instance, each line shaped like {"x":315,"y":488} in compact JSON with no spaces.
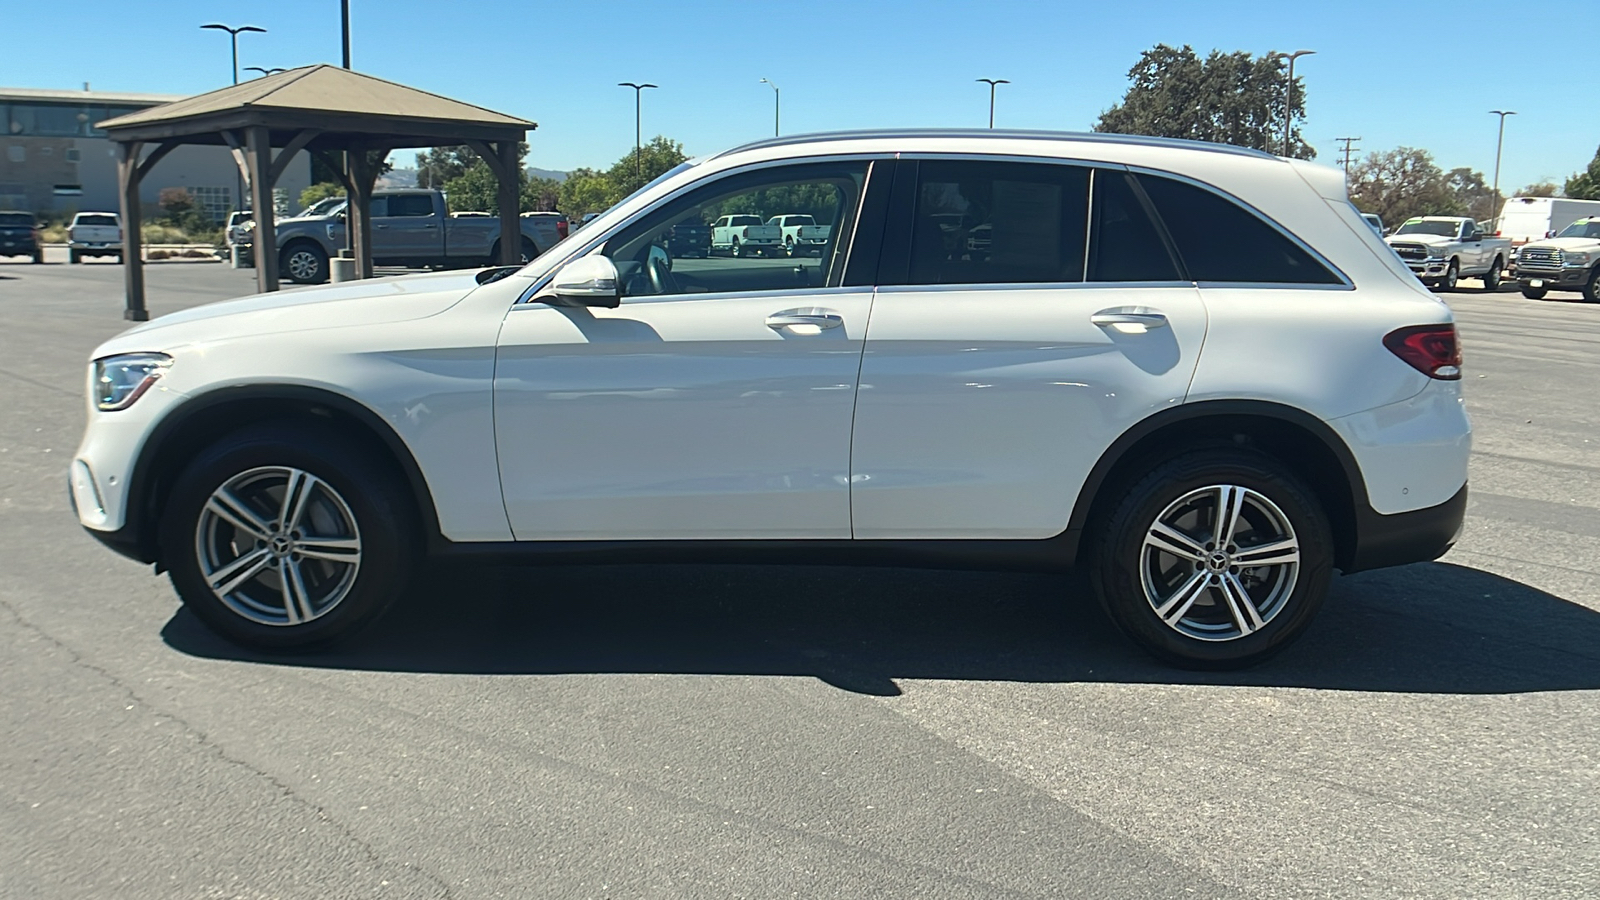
{"x":1408,"y":537}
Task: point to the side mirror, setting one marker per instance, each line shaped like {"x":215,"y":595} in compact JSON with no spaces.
{"x":586,"y":281}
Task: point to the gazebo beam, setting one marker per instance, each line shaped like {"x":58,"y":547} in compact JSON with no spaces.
{"x":501,"y":157}
{"x":258,"y":153}
{"x":130,"y":172}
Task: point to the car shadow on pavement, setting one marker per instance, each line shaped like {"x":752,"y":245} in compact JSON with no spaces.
{"x":1427,"y":628}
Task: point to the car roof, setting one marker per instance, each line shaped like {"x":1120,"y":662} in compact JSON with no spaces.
{"x":928,"y":138}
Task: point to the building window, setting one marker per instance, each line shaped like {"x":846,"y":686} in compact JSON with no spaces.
{"x":216,"y":201}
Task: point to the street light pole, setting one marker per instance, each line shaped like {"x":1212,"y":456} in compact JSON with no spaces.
{"x":1499,"y":146}
{"x":638,"y":132}
{"x":1288,"y":106}
{"x":992,"y":82}
{"x":234,"y":34}
{"x":344,"y":23}
{"x":775,"y":98}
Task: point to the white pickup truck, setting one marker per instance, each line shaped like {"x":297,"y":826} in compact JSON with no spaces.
{"x":802,"y":236}
{"x":94,"y":234}
{"x":745,"y":235}
{"x":1570,"y":261}
{"x":1442,"y":249}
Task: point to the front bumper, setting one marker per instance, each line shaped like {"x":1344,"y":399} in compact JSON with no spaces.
{"x":1428,"y":270}
{"x":1552,"y":278}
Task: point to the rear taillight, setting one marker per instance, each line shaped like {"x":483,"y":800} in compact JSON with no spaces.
{"x":1432,"y":350}
{"x":561,"y":227}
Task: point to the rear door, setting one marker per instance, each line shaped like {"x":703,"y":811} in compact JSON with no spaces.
{"x":1027,"y":313}
{"x":407,"y":228}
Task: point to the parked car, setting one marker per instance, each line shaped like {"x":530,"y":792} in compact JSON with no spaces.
{"x":1376,"y":222}
{"x":19,"y":236}
{"x":409,"y":228}
{"x":1187,"y":368}
{"x":1570,"y":261}
{"x":690,"y":239}
{"x":1443,"y":249}
{"x":802,"y":236}
{"x":236,"y":230}
{"x":557,"y":219}
{"x":327,"y":206}
{"x":94,"y":234}
{"x":745,"y":236}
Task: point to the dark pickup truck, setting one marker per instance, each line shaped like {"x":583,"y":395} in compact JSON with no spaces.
{"x":690,"y":239}
{"x":19,"y":236}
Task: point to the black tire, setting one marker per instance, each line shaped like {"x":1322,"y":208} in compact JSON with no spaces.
{"x":1534,"y":293}
{"x":735,"y":250}
{"x":303,"y":262}
{"x":74,"y":257}
{"x":357,"y":498}
{"x":1591,"y":288}
{"x":1130,"y":582}
{"x":788,"y":247}
{"x":1452,"y":275}
{"x":1491,"y":278}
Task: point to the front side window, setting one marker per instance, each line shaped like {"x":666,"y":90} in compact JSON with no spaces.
{"x":716,"y":240}
{"x":999,"y":223}
{"x":1221,"y":241}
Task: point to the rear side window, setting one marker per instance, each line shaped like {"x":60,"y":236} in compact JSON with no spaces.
{"x":1124,"y":244}
{"x":415,"y":205}
{"x":999,"y":223}
{"x":1221,"y":241}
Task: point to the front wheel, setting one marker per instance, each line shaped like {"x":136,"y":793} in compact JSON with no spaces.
{"x":304,"y":263}
{"x":1216,"y":559}
{"x":284,"y":536}
{"x":1452,"y":274}
{"x":1591,"y":288}
{"x":1491,"y":278}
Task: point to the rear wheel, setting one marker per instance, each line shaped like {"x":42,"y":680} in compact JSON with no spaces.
{"x":735,"y":250}
{"x":1491,"y":278}
{"x":284,"y":536}
{"x":1216,"y":559}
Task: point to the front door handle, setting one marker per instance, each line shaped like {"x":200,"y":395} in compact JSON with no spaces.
{"x":814,"y":316}
{"x":1129,"y":320}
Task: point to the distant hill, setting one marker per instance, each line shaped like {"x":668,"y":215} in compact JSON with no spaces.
{"x":398,"y":178}
{"x":546,"y":173}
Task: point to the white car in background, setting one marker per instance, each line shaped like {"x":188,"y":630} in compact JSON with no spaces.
{"x":94,"y":234}
{"x":1190,"y":368}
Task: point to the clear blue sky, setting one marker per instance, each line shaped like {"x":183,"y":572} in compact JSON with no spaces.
{"x":1381,"y":72}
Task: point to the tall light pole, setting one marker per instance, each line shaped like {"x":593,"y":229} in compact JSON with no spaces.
{"x":264,"y":71}
{"x":344,"y":27}
{"x":1288,"y":106}
{"x":1498,"y":146}
{"x":638,"y":132}
{"x":992,"y":82}
{"x":234,"y":34}
{"x":775,"y":98}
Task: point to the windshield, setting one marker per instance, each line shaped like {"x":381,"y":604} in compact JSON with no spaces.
{"x":1421,"y":226}
{"x":1583,"y":228}
{"x":95,"y":220}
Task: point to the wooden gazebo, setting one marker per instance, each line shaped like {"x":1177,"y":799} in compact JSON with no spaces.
{"x":327,"y":111}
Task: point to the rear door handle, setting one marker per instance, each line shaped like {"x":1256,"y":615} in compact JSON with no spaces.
{"x":817,"y":316}
{"x":1129,"y":320}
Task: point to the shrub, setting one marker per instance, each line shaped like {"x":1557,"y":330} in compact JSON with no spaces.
{"x":157,"y":254}
{"x":192,"y":253}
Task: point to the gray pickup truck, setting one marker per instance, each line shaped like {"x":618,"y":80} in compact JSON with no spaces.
{"x":410,"y":228}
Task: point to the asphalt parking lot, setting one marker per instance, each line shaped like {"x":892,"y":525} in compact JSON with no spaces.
{"x":704,"y":731}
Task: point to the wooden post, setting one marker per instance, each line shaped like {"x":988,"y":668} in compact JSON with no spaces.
{"x":358,"y":218}
{"x":510,"y":202}
{"x":132,"y":243}
{"x":258,"y":154}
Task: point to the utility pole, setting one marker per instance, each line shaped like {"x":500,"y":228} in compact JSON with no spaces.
{"x":1348,"y":149}
{"x":1288,"y":105}
{"x":638,"y":132}
{"x":991,"y":82}
{"x":776,"y":96}
{"x":344,"y":21}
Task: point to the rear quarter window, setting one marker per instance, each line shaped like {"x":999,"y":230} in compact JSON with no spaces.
{"x":1221,"y":241}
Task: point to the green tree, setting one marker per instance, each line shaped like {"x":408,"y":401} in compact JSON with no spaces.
{"x":1585,"y":185}
{"x":175,"y":201}
{"x":1401,"y":183}
{"x":654,"y":159}
{"x":1472,"y":194}
{"x":1541,"y":189}
{"x":437,"y":166}
{"x":541,"y":195}
{"x":322,"y":190}
{"x":1228,"y":98}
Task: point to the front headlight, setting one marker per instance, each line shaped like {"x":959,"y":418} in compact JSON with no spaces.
{"x":1575,"y":260}
{"x":120,"y":380}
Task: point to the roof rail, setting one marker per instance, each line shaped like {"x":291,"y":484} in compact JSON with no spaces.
{"x":1012,"y":134}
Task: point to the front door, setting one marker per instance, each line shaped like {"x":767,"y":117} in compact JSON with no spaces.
{"x":715,"y":402}
{"x":406,"y":227}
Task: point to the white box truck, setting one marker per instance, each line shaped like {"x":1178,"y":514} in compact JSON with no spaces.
{"x":1524,"y":219}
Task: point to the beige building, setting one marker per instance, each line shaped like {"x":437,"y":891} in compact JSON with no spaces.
{"x":55,"y":161}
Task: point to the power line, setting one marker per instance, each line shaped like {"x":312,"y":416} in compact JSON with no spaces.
{"x":1349,"y":148}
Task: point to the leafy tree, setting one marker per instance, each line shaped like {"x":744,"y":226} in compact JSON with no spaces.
{"x":1472,"y":194}
{"x":1401,"y":183}
{"x":1541,"y":189}
{"x":322,"y":190}
{"x":437,"y":166}
{"x":1586,"y":184}
{"x":587,"y":191}
{"x":1228,"y":98}
{"x":175,"y":201}
{"x":540,"y":194}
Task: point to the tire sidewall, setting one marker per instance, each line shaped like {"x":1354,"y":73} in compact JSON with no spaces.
{"x":382,"y":514}
{"x":1116,"y":562}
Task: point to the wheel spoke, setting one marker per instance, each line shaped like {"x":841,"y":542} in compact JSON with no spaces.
{"x":1245,"y":614}
{"x":227,"y":579}
{"x":1230,"y":503}
{"x":296,"y":603}
{"x":342,"y":550}
{"x":295,"y":493}
{"x":224,"y":504}
{"x":1277,"y":553}
{"x":1168,"y":539}
{"x":1184,"y":597}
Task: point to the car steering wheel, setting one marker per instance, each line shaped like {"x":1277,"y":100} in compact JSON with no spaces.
{"x":658,"y":268}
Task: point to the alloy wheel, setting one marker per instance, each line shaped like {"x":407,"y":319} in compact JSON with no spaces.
{"x":1219,"y":563}
{"x":278,"y":546}
{"x":303,"y":265}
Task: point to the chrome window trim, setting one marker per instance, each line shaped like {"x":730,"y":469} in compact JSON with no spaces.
{"x":527,"y":295}
{"x":1345,"y":282}
{"x":1083,"y":137}
{"x":723,"y":295}
{"x":1031,"y":286}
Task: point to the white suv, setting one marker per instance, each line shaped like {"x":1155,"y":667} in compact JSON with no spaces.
{"x":1191,"y":368}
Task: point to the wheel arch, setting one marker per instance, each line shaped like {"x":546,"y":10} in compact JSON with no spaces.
{"x":1297,"y":439}
{"x":203,"y":419}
